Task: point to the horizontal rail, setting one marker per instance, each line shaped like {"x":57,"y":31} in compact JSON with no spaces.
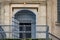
{"x":14,"y":29}
{"x":36,"y":25}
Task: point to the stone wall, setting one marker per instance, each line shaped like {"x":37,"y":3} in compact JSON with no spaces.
{"x":47,"y":13}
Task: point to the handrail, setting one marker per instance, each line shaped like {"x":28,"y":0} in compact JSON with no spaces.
{"x":54,"y":36}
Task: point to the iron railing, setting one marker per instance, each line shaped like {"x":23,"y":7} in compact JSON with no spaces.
{"x":42,"y":30}
{"x":6,"y":32}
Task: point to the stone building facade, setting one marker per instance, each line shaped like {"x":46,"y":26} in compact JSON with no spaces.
{"x":45,"y":14}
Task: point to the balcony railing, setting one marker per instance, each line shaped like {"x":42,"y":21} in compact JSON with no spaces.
{"x":42,"y":30}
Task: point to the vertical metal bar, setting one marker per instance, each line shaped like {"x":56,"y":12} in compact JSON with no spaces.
{"x":47,"y":33}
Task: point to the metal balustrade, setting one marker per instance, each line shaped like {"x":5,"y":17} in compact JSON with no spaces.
{"x":6,"y":32}
{"x":42,"y":30}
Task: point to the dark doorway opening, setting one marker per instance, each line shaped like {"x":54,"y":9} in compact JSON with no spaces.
{"x":25,"y":30}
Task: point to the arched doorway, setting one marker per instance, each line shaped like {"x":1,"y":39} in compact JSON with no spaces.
{"x":27,"y":23}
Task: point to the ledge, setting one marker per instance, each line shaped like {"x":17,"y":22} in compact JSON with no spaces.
{"x":22,"y":1}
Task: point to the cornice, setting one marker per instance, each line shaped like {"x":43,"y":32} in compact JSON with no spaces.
{"x":24,"y":1}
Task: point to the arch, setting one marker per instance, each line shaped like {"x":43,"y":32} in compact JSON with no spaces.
{"x":27,"y":16}
{"x":16,"y":11}
{"x":24,"y":11}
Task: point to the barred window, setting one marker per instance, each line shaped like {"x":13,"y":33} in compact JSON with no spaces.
{"x":58,"y":10}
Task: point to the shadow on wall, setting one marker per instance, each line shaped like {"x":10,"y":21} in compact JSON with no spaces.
{"x":2,"y":33}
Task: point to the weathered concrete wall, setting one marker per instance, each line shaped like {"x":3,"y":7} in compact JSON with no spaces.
{"x":5,"y":17}
{"x":55,"y":21}
{"x":52,"y":17}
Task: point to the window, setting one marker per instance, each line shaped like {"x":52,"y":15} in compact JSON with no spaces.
{"x":58,"y":10}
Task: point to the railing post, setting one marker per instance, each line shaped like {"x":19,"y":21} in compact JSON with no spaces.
{"x":47,"y":33}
